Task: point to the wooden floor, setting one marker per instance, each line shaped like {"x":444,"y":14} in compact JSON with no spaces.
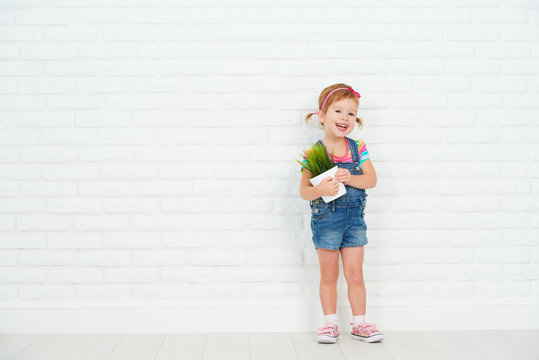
{"x":461,"y":345}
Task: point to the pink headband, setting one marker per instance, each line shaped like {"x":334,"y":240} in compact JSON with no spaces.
{"x":351,"y":90}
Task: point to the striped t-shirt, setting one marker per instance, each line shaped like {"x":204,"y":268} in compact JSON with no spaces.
{"x":363,"y":154}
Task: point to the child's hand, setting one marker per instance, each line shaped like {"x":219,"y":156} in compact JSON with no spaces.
{"x":328,"y":187}
{"x":343,"y":176}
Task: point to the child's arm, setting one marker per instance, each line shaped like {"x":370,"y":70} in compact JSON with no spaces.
{"x":306,"y":190}
{"x":366,"y":180}
{"x":309,"y":192}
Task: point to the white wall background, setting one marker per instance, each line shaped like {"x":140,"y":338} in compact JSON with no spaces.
{"x":147,"y":173}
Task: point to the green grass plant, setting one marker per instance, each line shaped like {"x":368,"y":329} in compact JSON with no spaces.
{"x":317,"y":160}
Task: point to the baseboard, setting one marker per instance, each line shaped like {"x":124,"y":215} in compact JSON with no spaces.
{"x":192,"y":319}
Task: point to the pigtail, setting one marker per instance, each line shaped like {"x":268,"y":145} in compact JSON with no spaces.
{"x":308,"y":117}
{"x":359,"y":122}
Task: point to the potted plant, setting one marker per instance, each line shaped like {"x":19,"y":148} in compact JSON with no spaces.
{"x":320,"y":165}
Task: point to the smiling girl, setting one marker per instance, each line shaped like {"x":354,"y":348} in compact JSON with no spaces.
{"x":339,"y":226}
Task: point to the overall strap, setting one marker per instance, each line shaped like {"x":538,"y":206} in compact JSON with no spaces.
{"x":353,"y":148}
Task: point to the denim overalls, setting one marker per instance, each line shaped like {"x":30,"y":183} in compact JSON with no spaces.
{"x":340,"y":223}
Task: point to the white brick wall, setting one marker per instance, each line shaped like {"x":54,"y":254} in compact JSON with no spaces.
{"x":147,"y":150}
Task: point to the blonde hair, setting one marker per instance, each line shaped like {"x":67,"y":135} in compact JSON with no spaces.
{"x":336,"y":96}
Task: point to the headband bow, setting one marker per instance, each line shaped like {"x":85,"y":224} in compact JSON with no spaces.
{"x":355,"y":93}
{"x":322,"y":107}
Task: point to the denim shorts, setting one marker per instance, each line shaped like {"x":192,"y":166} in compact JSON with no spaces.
{"x":335,"y":227}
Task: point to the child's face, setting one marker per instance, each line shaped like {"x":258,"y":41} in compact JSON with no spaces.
{"x":340,"y":112}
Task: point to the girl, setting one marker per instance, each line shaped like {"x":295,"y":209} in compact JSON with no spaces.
{"x":339,"y":225}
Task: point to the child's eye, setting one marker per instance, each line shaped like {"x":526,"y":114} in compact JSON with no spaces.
{"x":337,"y":110}
{"x":352,"y":114}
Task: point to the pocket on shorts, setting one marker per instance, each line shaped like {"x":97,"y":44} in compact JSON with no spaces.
{"x":319,"y":213}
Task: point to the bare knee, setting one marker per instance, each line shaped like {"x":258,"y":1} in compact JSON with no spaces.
{"x":329,"y":277}
{"x":354,"y":277}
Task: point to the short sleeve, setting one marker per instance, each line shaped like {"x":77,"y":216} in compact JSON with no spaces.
{"x":363,"y":152}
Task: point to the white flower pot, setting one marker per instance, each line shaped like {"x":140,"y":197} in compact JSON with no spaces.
{"x":330,"y":173}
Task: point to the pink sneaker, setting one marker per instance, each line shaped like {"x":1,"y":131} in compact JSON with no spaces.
{"x":328,"y":334}
{"x":367,"y":332}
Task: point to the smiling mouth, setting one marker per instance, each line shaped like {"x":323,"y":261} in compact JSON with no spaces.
{"x":342,"y":127}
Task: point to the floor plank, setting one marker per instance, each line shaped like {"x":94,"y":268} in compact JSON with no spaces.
{"x":354,"y":349}
{"x":270,"y":346}
{"x":449,"y":345}
{"x":308,"y":349}
{"x":137,"y":347}
{"x":48,"y":347}
{"x":93,"y":347}
{"x":526,"y":339}
{"x":494,"y":344}
{"x":397,"y":345}
{"x":13,"y":344}
{"x":227,"y":346}
{"x":182,"y":347}
{"x":407,"y":345}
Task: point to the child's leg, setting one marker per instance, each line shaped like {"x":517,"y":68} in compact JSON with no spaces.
{"x":352,"y":260}
{"x":329,"y":274}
